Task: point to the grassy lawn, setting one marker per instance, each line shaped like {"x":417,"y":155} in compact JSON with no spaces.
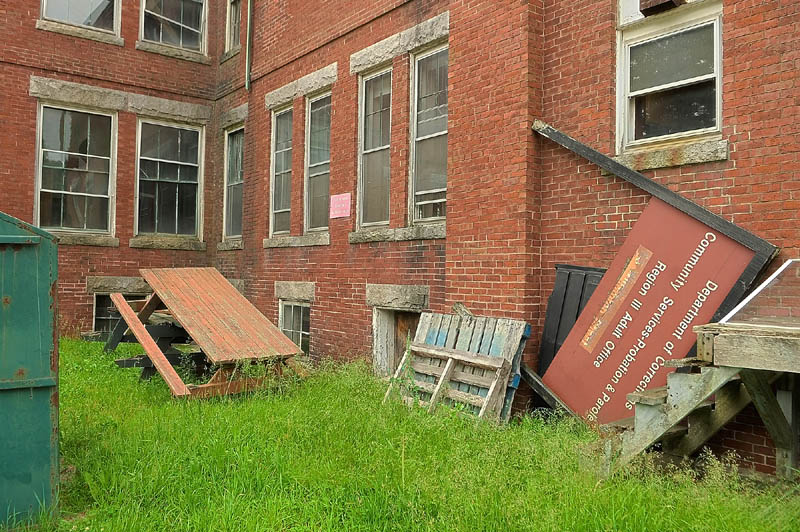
{"x":325,"y":454}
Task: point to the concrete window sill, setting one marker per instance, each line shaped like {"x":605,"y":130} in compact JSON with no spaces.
{"x":80,"y":32}
{"x":399,"y":234}
{"x":233,"y":52}
{"x":230,"y":244}
{"x":171,"y":51}
{"x":78,"y":239}
{"x":665,"y":156}
{"x":288,"y":241}
{"x":167,"y":242}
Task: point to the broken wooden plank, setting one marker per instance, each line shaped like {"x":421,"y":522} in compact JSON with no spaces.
{"x":769,"y":353}
{"x":173,"y":380}
{"x":150,"y":305}
{"x":480,"y":361}
{"x":444,"y":381}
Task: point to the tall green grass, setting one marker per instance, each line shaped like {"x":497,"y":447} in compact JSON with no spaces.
{"x":325,"y":454}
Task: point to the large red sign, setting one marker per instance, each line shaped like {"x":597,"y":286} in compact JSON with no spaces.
{"x":672,"y":272}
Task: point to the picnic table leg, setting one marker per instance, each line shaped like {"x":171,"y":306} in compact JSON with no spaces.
{"x":116,"y":335}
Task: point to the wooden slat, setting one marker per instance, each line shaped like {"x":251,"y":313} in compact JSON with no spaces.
{"x":396,"y":376}
{"x":232,"y":387}
{"x":441,"y":385}
{"x":477,"y":335}
{"x":481,"y":361}
{"x":488,"y":334}
{"x":173,"y":380}
{"x":452,"y":333}
{"x":496,"y":390}
{"x":433,"y":331}
{"x":500,"y":337}
{"x":444,"y":328}
{"x":422,"y":327}
{"x":465,"y":333}
{"x":457,"y":377}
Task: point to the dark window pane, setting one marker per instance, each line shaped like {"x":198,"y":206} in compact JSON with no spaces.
{"x":235,"y":156}
{"x":147,"y":206}
{"x":235,"y":24}
{"x":148,"y":169}
{"x":188,"y":173}
{"x":100,"y":135}
{"x":52,"y":178}
{"x":96,"y":164}
{"x":152,"y":28}
{"x":150,"y":140}
{"x":75,"y":181}
{"x":431,"y":163}
{"x":75,"y":132}
{"x":675,"y":111}
{"x":306,"y":326}
{"x":192,"y":14}
{"x":189,"y":139}
{"x":672,"y":58}
{"x":297,"y":318}
{"x":319,"y":200}
{"x":281,"y":222}
{"x":95,"y":13}
{"x":234,"y":210}
{"x":187,"y":209}
{"x":432,"y":94}
{"x":304,"y":343}
{"x":51,"y":159}
{"x":49,"y":209}
{"x":52,"y":126}
{"x":74,"y":212}
{"x":168,"y":171}
{"x":167,"y":207}
{"x":376,"y":187}
{"x":320,"y":134}
{"x":97,"y":213}
{"x":97,"y":183}
{"x":287,"y":317}
{"x":168,"y":143}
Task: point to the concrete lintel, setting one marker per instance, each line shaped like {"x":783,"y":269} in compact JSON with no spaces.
{"x":79,"y":31}
{"x":56,"y":90}
{"x":295,"y":291}
{"x":703,"y":151}
{"x":399,"y":234}
{"x":398,"y":296}
{"x":310,"y":83}
{"x":101,"y":284}
{"x":172,"y":51}
{"x":78,"y":239}
{"x":311,"y":239}
{"x":238,"y":284}
{"x":167,"y":242}
{"x":234,"y":116}
{"x":430,"y":31}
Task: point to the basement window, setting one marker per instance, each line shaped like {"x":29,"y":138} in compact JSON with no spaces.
{"x":169,"y":177}
{"x":670,"y":77}
{"x":295,"y":319}
{"x":106,"y":315}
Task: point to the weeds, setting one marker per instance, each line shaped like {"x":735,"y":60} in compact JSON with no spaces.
{"x":325,"y":454}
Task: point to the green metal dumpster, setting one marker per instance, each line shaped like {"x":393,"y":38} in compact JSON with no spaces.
{"x":28,"y":371}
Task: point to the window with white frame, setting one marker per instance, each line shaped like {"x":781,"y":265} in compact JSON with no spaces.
{"x":234,"y":182}
{"x":670,"y":77}
{"x":318,"y":169}
{"x":174,"y":22}
{"x":96,"y":14}
{"x":376,"y":112}
{"x":281,"y":171}
{"x":75,"y":170}
{"x":234,"y":25}
{"x":296,"y":323}
{"x":169,"y":173}
{"x":430,"y":135}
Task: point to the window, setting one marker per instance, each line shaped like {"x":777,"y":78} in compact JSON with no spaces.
{"x":106,"y":315}
{"x":97,"y":14}
{"x":281,"y":171}
{"x":234,"y":24}
{"x":234,"y":182}
{"x":319,"y":162}
{"x":430,"y":135}
{"x":75,"y":170}
{"x":168,"y":179}
{"x":671,"y":78}
{"x":376,"y":111}
{"x":296,"y":324}
{"x":174,"y":22}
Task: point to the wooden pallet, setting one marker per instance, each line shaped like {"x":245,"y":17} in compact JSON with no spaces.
{"x":470,"y":361}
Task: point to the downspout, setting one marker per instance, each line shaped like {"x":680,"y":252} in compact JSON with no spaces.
{"x":248,"y":45}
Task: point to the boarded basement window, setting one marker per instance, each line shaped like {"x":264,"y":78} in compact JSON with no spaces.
{"x":106,"y":315}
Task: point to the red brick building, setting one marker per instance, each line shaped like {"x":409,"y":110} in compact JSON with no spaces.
{"x":174,"y":133}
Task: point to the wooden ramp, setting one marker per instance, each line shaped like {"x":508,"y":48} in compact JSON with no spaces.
{"x":228,"y":329}
{"x":470,"y":361}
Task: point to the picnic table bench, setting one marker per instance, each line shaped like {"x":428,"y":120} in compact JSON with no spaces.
{"x":204,"y":307}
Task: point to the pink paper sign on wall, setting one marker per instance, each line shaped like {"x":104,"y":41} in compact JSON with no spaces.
{"x":340,"y":206}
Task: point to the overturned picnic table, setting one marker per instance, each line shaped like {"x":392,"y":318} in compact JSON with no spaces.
{"x":206,"y":308}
